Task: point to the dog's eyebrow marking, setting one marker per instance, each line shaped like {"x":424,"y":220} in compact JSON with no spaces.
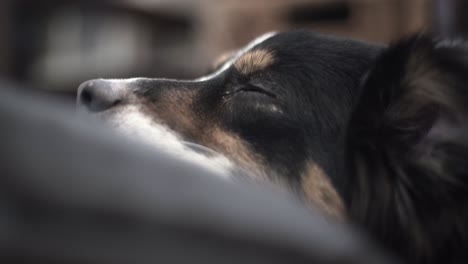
{"x":234,"y":58}
{"x":254,"y":61}
{"x":320,"y":192}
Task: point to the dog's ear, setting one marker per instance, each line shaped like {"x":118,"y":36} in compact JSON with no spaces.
{"x":418,"y":85}
{"x":407,"y":149}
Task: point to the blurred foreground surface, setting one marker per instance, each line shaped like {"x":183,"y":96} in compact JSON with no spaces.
{"x":71,"y":192}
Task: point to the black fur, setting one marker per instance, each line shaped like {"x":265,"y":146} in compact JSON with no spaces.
{"x":315,"y":79}
{"x":408,"y":152}
{"x":393,"y":144}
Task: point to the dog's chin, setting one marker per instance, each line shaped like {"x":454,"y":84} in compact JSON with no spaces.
{"x":132,"y":123}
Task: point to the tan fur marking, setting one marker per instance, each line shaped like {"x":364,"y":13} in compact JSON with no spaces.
{"x":321,"y":193}
{"x":253,"y":61}
{"x":236,"y":149}
{"x":177,"y":113}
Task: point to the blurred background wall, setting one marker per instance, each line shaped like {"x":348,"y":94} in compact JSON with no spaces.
{"x":54,"y":45}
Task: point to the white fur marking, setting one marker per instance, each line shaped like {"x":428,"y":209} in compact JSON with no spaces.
{"x":131,"y":122}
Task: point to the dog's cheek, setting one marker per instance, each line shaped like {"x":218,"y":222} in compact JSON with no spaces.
{"x":237,"y":150}
{"x":134,"y":124}
{"x":320,"y":193}
{"x":177,"y":112}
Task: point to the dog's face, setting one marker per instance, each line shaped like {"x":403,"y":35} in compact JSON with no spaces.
{"x":295,"y":109}
{"x":276,"y":109}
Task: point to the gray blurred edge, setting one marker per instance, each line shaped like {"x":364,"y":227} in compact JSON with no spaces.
{"x":72,"y":192}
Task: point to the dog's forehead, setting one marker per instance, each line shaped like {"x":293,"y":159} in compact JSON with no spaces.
{"x":243,"y":53}
{"x":266,"y":49}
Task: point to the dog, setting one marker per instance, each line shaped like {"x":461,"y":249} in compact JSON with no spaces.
{"x":367,"y":134}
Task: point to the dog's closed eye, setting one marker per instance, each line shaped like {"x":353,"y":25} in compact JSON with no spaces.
{"x":250,"y":88}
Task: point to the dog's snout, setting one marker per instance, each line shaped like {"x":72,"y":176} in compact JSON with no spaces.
{"x":100,"y":95}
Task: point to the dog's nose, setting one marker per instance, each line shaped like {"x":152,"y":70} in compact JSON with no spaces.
{"x":99,"y":95}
